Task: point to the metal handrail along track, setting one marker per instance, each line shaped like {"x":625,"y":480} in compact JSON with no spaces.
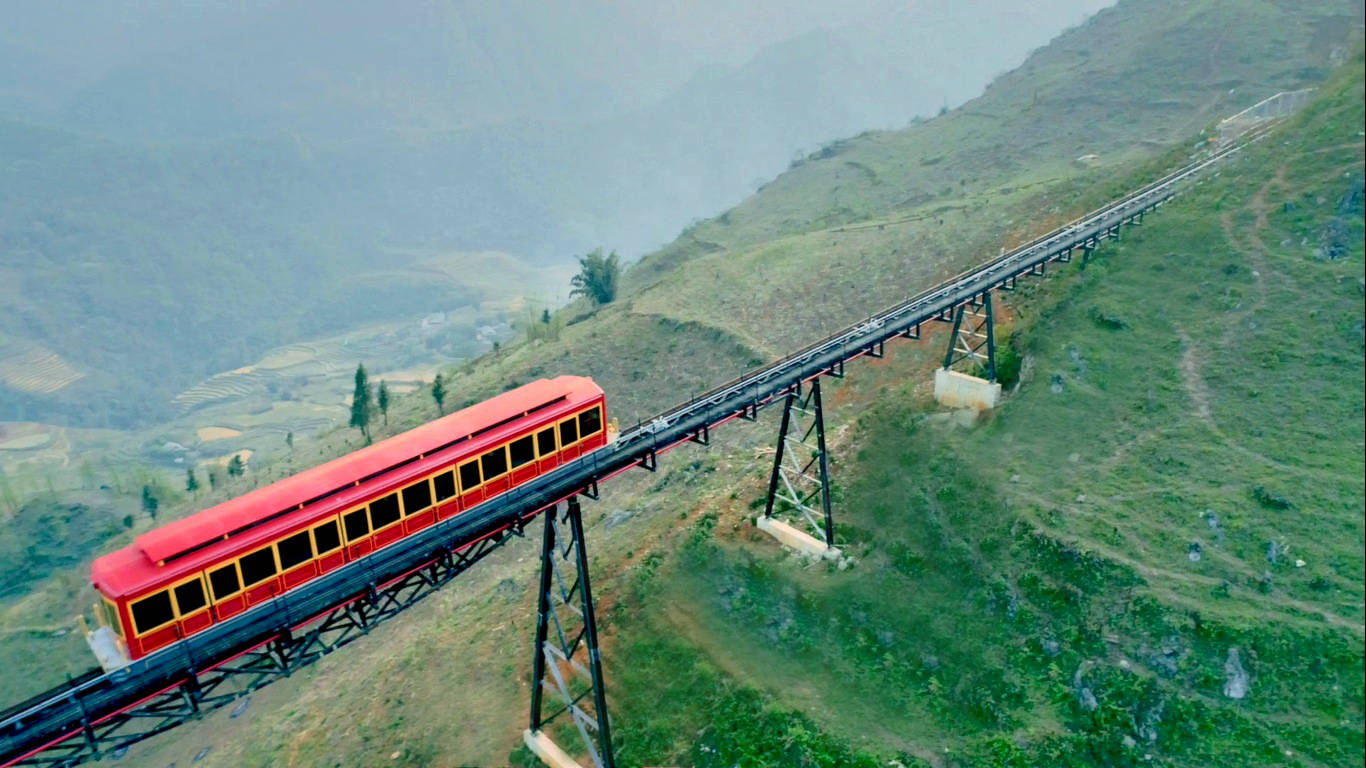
{"x":72,"y":710}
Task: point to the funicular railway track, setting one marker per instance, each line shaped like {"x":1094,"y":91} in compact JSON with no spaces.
{"x":100,"y":713}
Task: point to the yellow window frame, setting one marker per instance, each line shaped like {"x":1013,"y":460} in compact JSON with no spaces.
{"x":559,"y":436}
{"x":554,"y":435}
{"x":455,"y":483}
{"x":280,"y":564}
{"x":109,"y":616}
{"x":215,"y":598}
{"x":170,"y":598}
{"x":460,"y":480}
{"x":597,"y":408}
{"x":508,"y":454}
{"x":431,"y":496}
{"x":364,"y":509}
{"x":175,"y":601}
{"x":507,"y":465}
{"x":398,"y":499}
{"x":275,"y":558}
{"x":341,"y":536}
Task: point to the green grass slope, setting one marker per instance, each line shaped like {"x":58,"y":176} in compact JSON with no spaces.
{"x":867,"y":220}
{"x":1139,"y":74}
{"x":1024,"y":592}
{"x":715,"y":621}
{"x":1067,"y":583}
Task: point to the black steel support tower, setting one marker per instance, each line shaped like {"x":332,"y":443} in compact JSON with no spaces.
{"x":792,"y":481}
{"x":565,"y":625}
{"x":969,"y":339}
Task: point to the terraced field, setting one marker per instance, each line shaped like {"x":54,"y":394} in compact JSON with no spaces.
{"x":35,"y":369}
{"x":223,"y":386}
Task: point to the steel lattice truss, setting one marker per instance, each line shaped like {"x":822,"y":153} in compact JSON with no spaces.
{"x":279,"y":657}
{"x":567,"y":664}
{"x":800,"y":481}
{"x":972,"y":345}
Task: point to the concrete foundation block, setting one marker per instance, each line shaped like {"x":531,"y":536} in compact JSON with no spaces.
{"x":549,"y":752}
{"x":959,"y":390}
{"x":796,"y":539}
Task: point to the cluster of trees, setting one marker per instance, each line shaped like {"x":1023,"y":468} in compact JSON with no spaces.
{"x":237,"y":467}
{"x":597,"y":280}
{"x":367,"y":399}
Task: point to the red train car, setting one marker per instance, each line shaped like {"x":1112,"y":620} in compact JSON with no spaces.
{"x":183,"y":577}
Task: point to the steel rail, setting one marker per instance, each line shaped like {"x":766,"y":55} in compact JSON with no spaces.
{"x":78,"y":708}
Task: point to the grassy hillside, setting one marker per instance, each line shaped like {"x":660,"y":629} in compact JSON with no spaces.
{"x":712,"y":631}
{"x":1179,"y":479}
{"x":865,"y":221}
{"x":1025,"y":591}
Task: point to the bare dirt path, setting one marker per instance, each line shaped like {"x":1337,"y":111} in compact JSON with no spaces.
{"x":1164,"y":578}
{"x":1196,"y":387}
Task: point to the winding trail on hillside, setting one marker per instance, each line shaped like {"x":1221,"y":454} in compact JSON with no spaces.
{"x":1137,"y":542}
{"x":1250,"y":244}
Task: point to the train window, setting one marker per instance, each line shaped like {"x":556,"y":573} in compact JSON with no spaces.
{"x":522,"y":451}
{"x":569,"y":431}
{"x":469,"y":475}
{"x":326,"y":538}
{"x":384,"y":511}
{"x":111,"y":616}
{"x":590,"y":421}
{"x":224,"y":582}
{"x":257,"y":566}
{"x":357,"y":524}
{"x":417,"y":497}
{"x":444,"y":484}
{"x":152,"y":611}
{"x":495,"y":463}
{"x":294,"y":550}
{"x":189,"y":597}
{"x":545,"y":441}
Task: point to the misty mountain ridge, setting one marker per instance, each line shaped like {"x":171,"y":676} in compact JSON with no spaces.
{"x":212,"y":184}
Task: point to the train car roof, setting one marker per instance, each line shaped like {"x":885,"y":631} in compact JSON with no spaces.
{"x":155,"y":547}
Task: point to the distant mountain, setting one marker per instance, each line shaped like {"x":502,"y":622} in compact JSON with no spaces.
{"x":185,"y":186}
{"x":332,"y":69}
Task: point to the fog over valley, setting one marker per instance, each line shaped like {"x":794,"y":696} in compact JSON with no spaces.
{"x":189,"y":185}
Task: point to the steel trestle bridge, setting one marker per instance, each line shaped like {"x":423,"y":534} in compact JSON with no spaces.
{"x":104,"y":713}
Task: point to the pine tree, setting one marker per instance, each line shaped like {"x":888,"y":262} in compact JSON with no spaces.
{"x":236,"y":467}
{"x":213,"y":479}
{"x":289,"y":440}
{"x":439,"y":394}
{"x":545,"y":317}
{"x":149,"y":502}
{"x":191,"y":482}
{"x":361,"y":404}
{"x":382,"y":400}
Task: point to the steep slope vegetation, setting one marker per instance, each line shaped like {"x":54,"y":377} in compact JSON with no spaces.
{"x":1149,"y":556}
{"x":694,"y":620}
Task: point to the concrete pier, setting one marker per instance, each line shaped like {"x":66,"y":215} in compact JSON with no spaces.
{"x":959,"y":390}
{"x":549,"y":752}
{"x":796,"y":539}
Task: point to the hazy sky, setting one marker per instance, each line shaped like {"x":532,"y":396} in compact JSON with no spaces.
{"x":734,"y":30}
